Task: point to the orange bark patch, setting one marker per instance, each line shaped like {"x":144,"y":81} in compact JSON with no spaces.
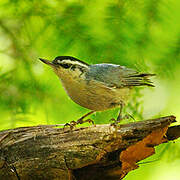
{"x":141,"y":150}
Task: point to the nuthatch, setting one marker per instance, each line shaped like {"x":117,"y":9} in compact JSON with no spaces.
{"x":97,"y":87}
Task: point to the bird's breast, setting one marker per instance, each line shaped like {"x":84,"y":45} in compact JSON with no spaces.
{"x":94,"y":95}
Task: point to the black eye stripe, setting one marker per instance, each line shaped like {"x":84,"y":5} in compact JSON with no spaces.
{"x":66,"y":66}
{"x":72,"y":66}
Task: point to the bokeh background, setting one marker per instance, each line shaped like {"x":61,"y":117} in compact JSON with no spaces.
{"x":141,"y":34}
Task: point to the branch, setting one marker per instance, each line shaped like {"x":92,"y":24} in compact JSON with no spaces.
{"x":95,"y":152}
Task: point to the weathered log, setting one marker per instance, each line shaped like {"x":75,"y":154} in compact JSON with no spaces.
{"x":84,"y":153}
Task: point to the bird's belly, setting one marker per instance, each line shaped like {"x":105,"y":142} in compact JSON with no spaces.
{"x":96,"y":96}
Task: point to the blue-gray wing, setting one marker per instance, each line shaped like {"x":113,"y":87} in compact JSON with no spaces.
{"x":117,"y":76}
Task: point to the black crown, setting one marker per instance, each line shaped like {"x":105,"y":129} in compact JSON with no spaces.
{"x":61,"y":58}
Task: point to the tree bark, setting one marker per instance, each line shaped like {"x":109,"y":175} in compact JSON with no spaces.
{"x":84,"y":153}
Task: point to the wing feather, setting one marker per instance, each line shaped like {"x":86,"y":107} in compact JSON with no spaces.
{"x":118,"y":76}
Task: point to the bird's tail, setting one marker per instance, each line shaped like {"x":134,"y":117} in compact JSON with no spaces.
{"x":138,"y":79}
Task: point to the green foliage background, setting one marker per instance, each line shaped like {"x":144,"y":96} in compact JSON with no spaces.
{"x":141,"y":34}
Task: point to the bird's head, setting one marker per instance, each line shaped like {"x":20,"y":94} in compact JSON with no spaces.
{"x":65,"y":66}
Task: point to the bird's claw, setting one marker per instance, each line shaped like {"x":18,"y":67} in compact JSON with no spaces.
{"x":119,"y":119}
{"x":72,"y":124}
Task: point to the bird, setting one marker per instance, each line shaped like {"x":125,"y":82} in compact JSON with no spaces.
{"x":97,"y":87}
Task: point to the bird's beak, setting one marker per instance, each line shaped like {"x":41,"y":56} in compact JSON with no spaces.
{"x":46,"y":62}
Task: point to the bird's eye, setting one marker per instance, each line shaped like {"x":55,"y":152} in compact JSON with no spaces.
{"x":66,"y":66}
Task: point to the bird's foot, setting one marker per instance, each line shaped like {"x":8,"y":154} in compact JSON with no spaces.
{"x":119,"y":119}
{"x":72,"y":124}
